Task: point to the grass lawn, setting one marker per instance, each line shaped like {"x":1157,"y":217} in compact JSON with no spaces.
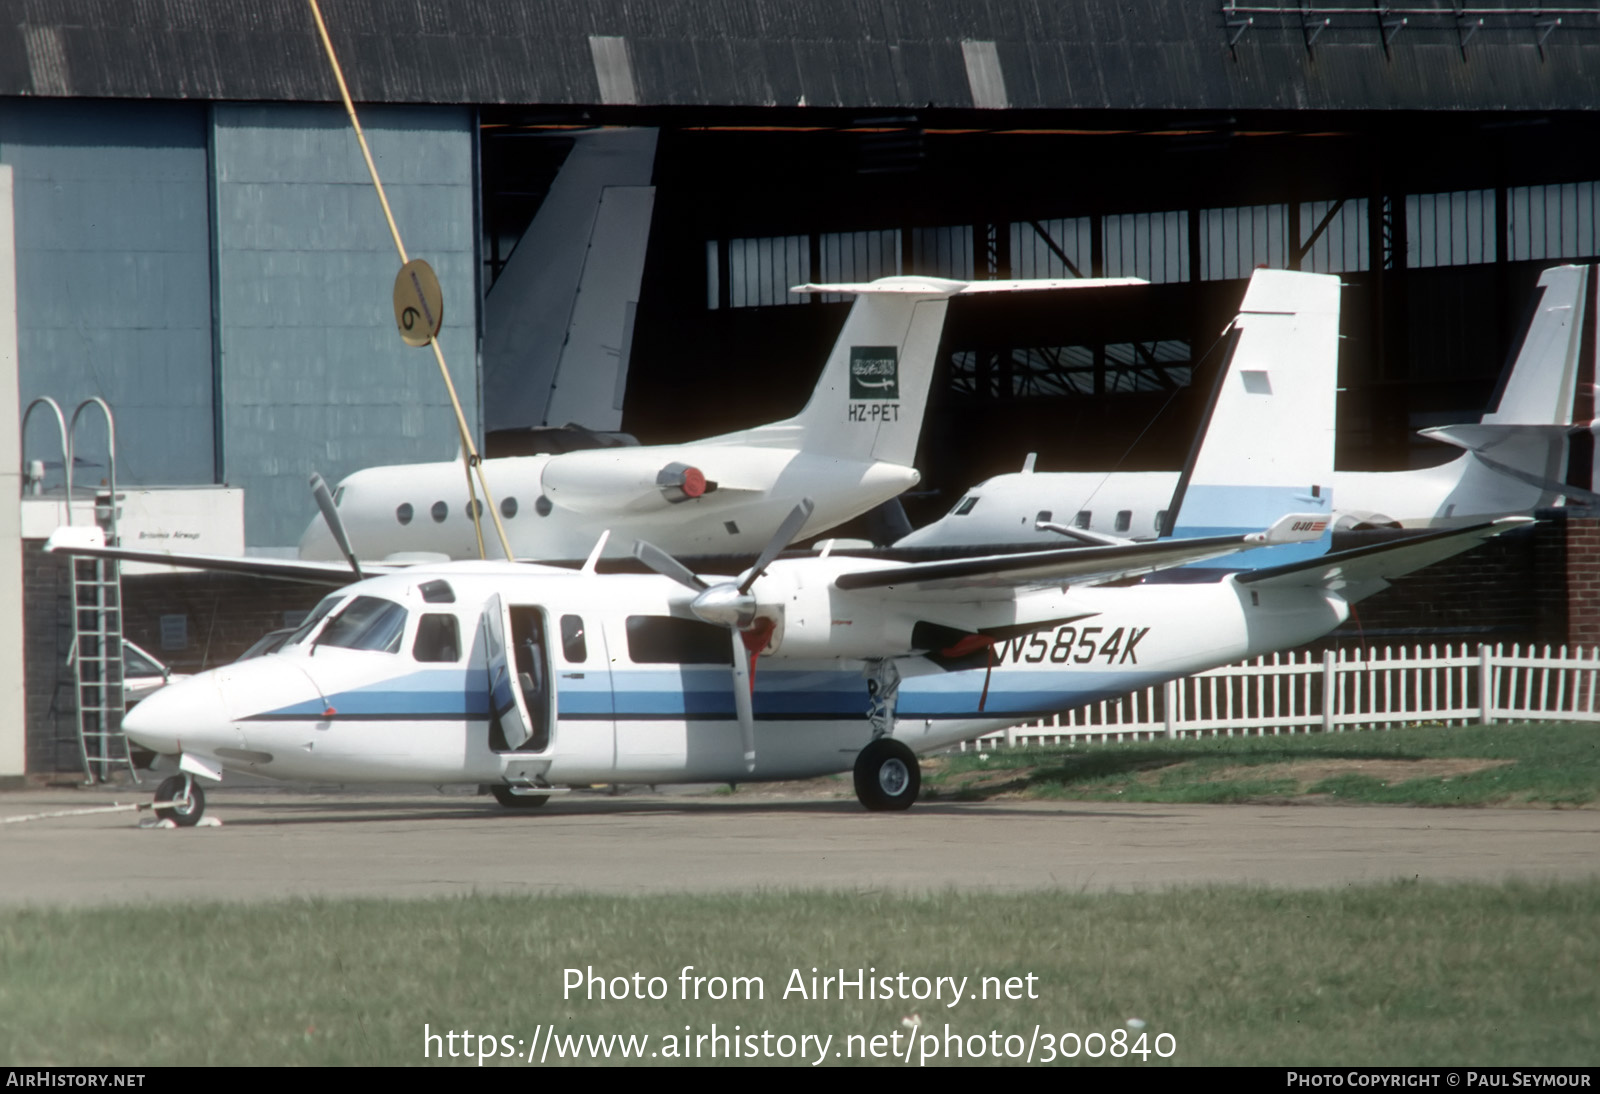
{"x":1395,"y":974}
{"x":1521,"y":764}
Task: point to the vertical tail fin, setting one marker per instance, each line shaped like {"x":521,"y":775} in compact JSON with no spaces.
{"x":869,"y":402}
{"x":1266,"y":446}
{"x":1539,"y":388}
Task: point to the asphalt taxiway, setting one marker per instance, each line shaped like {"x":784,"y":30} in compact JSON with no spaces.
{"x":281,"y":843}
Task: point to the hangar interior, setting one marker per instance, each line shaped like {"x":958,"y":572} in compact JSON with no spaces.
{"x":197,"y":242}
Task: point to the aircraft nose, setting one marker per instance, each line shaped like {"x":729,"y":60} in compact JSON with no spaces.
{"x":189,"y":714}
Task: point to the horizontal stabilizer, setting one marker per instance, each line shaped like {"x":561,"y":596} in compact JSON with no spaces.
{"x":1362,"y":571}
{"x":942,"y":286}
{"x":1063,"y":566}
{"x":1531,"y":454}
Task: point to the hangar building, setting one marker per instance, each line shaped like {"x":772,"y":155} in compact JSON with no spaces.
{"x":628,"y":190}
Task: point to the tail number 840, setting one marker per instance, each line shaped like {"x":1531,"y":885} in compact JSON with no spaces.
{"x":1080,"y":645}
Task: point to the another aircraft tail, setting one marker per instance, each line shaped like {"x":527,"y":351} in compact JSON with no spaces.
{"x":1540,"y":386}
{"x":869,"y":402}
{"x":1266,"y":445}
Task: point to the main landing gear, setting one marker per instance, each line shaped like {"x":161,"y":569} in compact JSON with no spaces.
{"x":508,"y":797}
{"x":888,"y":776}
{"x":187,"y":801}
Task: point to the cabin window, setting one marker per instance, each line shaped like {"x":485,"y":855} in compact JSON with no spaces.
{"x":404,"y":512}
{"x":368,"y":623}
{"x":665,"y":640}
{"x":964,"y":506}
{"x":309,"y":622}
{"x":508,"y":507}
{"x":338,"y":497}
{"x":1124,"y":520}
{"x":1161,"y":521}
{"x":573,"y":643}
{"x":1043,"y":517}
{"x":439,"y":511}
{"x":1083,"y":518}
{"x":438,"y":639}
{"x":474,"y":508}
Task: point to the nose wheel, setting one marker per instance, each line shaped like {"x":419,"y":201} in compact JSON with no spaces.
{"x":888,"y":776}
{"x":180,"y":800}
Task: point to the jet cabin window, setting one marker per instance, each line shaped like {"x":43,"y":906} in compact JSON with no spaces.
{"x":1124,"y":520}
{"x":369,"y":623}
{"x":1082,"y":519}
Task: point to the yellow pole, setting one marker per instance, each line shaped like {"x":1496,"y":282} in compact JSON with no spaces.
{"x":473,"y":460}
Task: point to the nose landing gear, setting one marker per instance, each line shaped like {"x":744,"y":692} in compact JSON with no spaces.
{"x":180,"y":800}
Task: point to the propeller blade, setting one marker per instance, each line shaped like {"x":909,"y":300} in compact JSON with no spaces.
{"x":780,"y":539}
{"x":330,"y":515}
{"x":667,"y":566}
{"x":742,"y":703}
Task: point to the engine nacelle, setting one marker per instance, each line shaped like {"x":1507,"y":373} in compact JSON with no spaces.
{"x":620,"y":480}
{"x":822,"y":623}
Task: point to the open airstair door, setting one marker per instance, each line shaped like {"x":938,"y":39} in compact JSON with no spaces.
{"x":508,"y":710}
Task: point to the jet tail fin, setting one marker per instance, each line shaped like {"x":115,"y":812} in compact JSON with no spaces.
{"x":869,"y":402}
{"x":1266,"y":445}
{"x":1540,"y":386}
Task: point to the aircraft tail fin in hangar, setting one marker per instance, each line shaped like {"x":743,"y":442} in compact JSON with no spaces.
{"x":869,"y":401}
{"x":1540,"y":386}
{"x":1266,"y":445}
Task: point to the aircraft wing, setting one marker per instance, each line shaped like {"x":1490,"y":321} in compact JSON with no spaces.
{"x":1362,"y":571}
{"x":1077,"y":565}
{"x":86,"y":542}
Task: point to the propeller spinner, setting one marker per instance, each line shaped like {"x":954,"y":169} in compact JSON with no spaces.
{"x":731,"y":604}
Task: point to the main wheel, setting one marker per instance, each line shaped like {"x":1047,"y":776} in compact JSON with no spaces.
{"x":505,"y":797}
{"x":888,"y":776}
{"x":190,"y":799}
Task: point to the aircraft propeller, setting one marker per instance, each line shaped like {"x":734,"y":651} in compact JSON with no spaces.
{"x":730,"y":604}
{"x":330,"y":514}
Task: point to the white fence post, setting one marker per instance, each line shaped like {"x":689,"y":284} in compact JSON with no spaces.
{"x":1327,"y":691}
{"x":1485,"y":685}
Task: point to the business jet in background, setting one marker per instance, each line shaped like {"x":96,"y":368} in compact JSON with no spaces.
{"x":850,"y":449}
{"x":1515,"y":459}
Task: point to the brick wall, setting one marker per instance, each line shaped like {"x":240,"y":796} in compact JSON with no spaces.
{"x":224,"y":614}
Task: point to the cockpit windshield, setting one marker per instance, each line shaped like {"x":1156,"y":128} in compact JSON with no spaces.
{"x":368,"y":623}
{"x":309,"y":623}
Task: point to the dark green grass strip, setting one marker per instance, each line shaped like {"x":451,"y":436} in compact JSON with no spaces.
{"x":1395,"y":974}
{"x":1544,"y":764}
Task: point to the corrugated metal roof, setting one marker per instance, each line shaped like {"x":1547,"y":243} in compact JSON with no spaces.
{"x":852,"y":54}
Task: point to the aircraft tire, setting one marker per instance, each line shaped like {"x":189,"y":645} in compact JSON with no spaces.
{"x":888,"y":776}
{"x":183,"y":816}
{"x":505,"y":797}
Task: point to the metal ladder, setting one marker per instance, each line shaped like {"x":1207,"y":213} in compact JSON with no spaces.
{"x":96,"y":650}
{"x":97,"y":659}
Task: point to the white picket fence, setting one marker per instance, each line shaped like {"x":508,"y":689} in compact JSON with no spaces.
{"x":1305,"y":693}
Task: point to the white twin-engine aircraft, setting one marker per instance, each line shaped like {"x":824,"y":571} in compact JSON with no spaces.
{"x":531,"y":678}
{"x":851,"y":448}
{"x":1515,"y":458}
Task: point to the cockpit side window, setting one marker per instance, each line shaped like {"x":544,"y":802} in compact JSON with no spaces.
{"x":438,"y":639}
{"x":964,"y":506}
{"x":368,"y":623}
